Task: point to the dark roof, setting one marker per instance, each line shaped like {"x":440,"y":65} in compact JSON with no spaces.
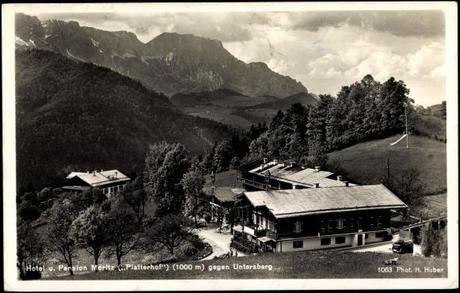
{"x":227,"y":194}
{"x":298,"y":202}
{"x":251,"y":165}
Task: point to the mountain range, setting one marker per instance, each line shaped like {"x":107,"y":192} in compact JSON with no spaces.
{"x":170,"y":63}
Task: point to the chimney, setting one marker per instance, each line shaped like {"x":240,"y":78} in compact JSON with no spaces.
{"x":316,"y":185}
{"x":116,"y":174}
{"x":339,"y":177}
{"x":347,"y":183}
{"x":317,"y":168}
{"x":265,"y":160}
{"x":94,"y":173}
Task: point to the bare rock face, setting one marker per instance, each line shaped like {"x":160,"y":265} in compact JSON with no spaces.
{"x":170,"y":63}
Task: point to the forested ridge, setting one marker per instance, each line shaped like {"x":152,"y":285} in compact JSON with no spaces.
{"x":79,"y":116}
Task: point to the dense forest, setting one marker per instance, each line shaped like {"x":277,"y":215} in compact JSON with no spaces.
{"x":361,"y":111}
{"x":79,"y":116}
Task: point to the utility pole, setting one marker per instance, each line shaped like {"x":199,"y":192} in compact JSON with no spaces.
{"x":407,"y":129}
{"x":388,"y":170}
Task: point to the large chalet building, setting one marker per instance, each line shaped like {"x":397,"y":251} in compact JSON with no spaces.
{"x":109,"y":181}
{"x":315,"y":218}
{"x":289,"y":208}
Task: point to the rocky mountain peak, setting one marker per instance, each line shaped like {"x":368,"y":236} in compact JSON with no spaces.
{"x":170,"y":63}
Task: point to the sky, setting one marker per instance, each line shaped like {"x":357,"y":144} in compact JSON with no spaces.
{"x":324,"y":50}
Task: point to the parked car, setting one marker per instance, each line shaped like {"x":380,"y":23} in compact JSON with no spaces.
{"x":403,"y":246}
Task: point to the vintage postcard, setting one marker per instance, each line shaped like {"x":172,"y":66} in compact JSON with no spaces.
{"x":230,"y":146}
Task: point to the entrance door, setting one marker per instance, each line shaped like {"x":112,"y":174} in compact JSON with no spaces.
{"x":360,"y":239}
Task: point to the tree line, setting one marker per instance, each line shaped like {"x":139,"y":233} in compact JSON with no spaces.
{"x":361,"y":111}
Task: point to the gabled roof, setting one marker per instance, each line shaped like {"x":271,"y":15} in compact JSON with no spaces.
{"x":297,"y":174}
{"x":227,"y":194}
{"x":96,"y":178}
{"x":298,"y":202}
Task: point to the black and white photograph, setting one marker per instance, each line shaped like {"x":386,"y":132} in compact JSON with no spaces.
{"x":213,"y":146}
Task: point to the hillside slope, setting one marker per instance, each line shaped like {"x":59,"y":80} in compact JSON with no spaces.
{"x":221,"y":105}
{"x":170,"y":63}
{"x":284,"y":103}
{"x":365,"y":162}
{"x":232,"y":108}
{"x":79,"y":116}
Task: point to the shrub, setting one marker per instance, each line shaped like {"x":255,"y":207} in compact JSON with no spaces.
{"x":190,"y":251}
{"x":197,"y":242}
{"x":434,"y":241}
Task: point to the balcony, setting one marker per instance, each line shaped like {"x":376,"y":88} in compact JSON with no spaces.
{"x":255,"y":184}
{"x":251,"y":230}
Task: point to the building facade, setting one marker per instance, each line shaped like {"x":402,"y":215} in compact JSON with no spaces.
{"x":109,"y":181}
{"x":314,"y":218}
{"x":222,"y":200}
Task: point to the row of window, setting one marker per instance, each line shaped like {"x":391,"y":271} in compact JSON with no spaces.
{"x":338,"y":240}
{"x":263,"y":222}
{"x":112,"y":189}
{"x":341,"y":223}
{"x":324,"y":241}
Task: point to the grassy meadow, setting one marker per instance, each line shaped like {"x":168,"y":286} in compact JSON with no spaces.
{"x":305,"y":264}
{"x":365,"y":163}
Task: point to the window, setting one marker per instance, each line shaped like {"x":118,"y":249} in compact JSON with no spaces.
{"x":339,"y":223}
{"x":371,"y":222}
{"x":351,"y":223}
{"x":379,"y":221}
{"x":322,"y":226}
{"x":339,"y":240}
{"x":297,"y":244}
{"x":380,"y":234}
{"x":330,"y":225}
{"x":366,"y":236}
{"x":298,"y":227}
{"x":325,"y":241}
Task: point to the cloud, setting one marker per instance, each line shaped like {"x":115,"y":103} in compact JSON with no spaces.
{"x":224,"y":27}
{"x":399,"y":23}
